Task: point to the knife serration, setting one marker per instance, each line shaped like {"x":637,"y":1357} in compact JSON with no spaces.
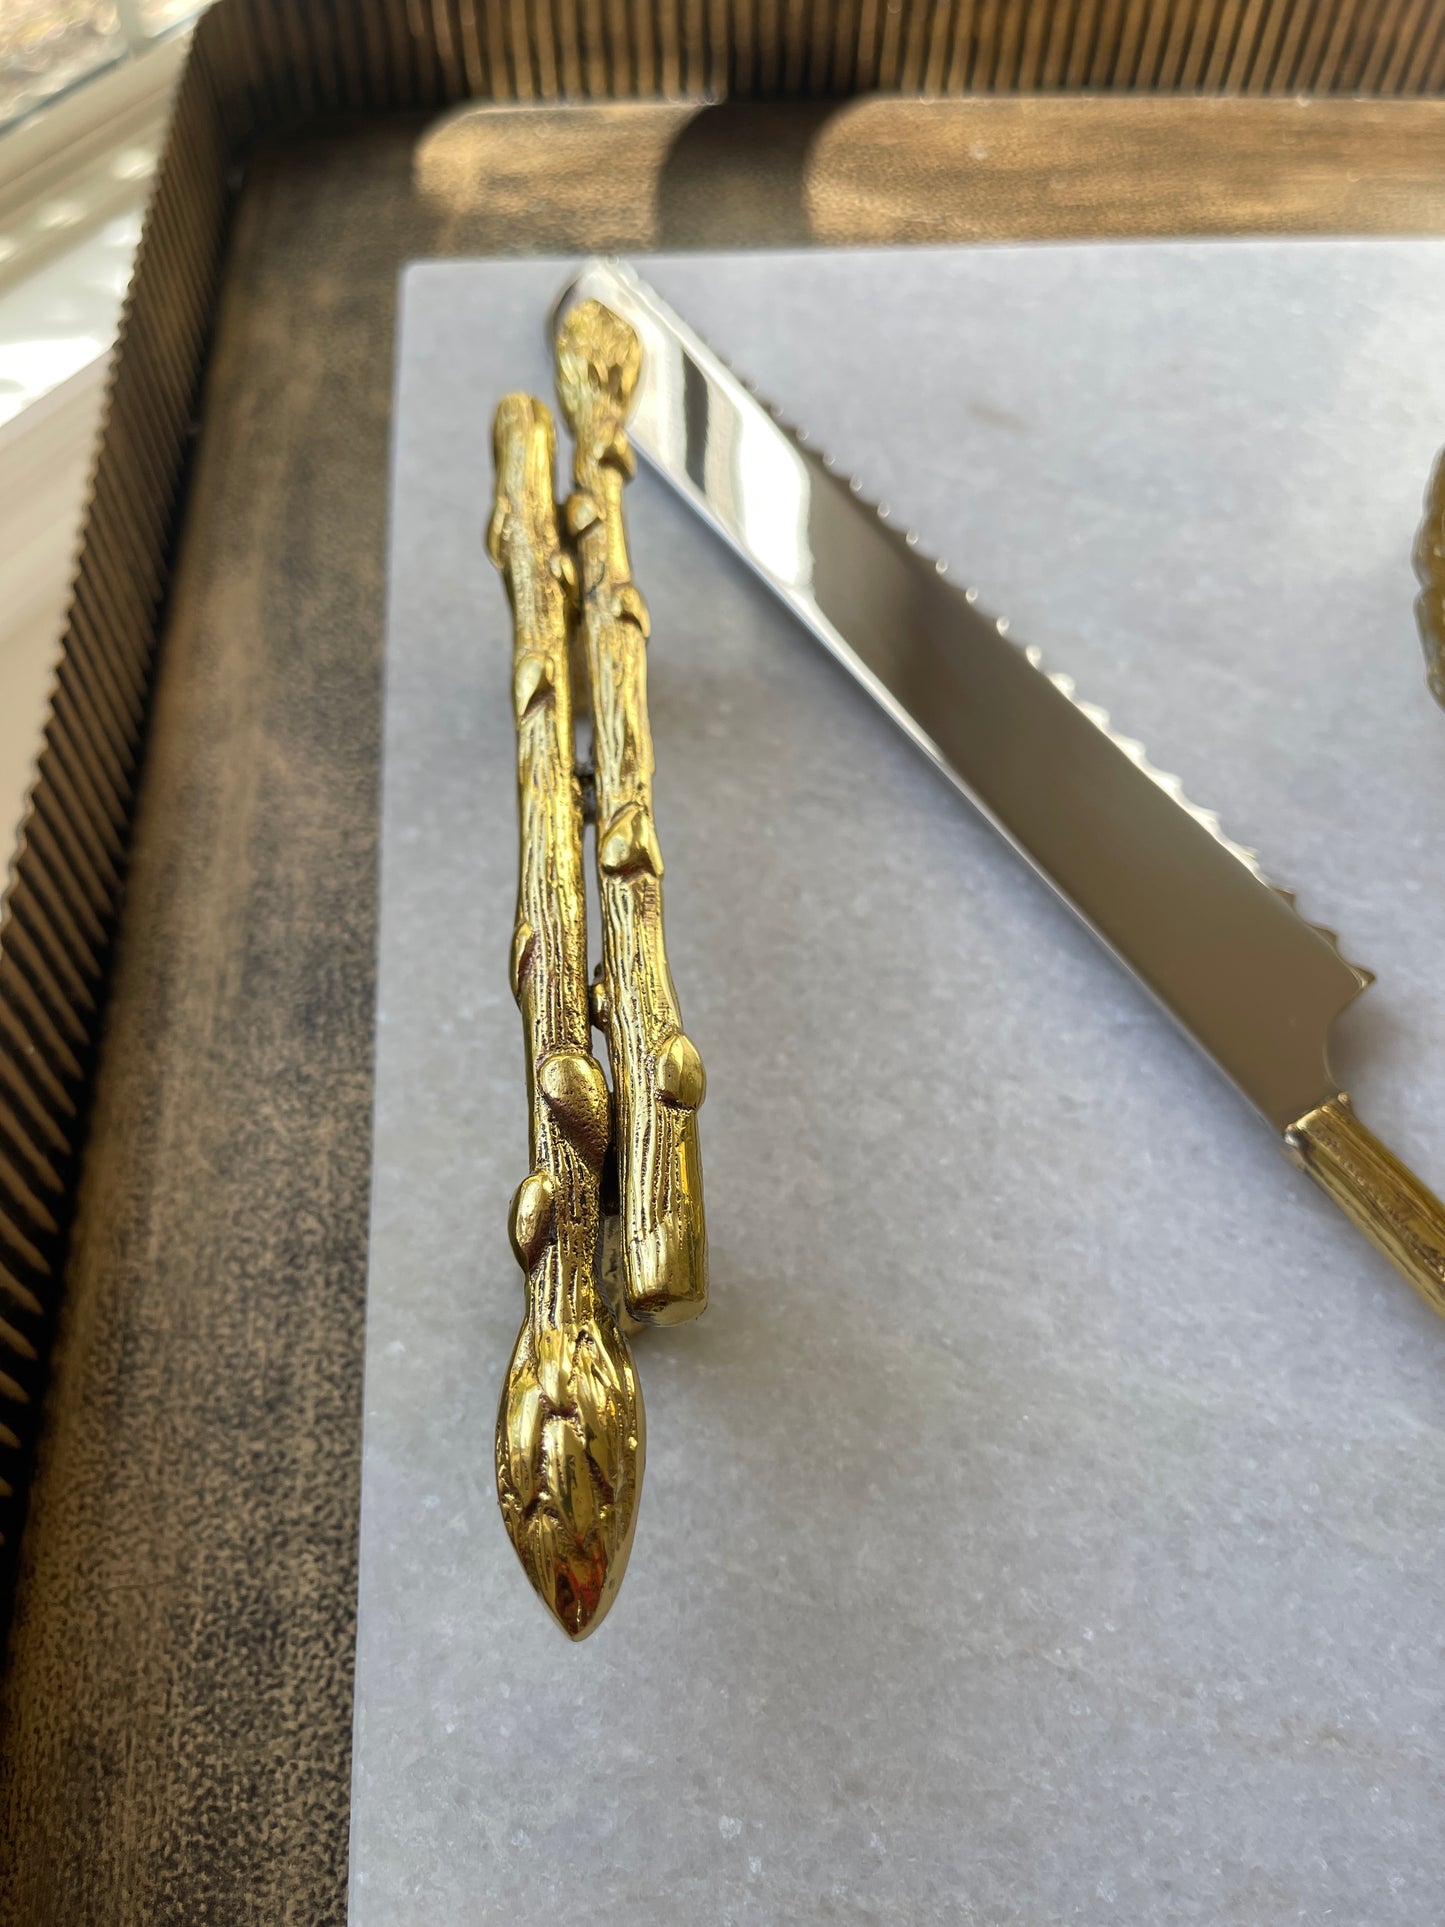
{"x":1097,"y":714}
{"x":1189,"y":911}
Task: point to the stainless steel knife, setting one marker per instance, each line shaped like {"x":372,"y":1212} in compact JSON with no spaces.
{"x":1190,"y":913}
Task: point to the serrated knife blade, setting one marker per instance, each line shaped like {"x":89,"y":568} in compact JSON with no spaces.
{"x":1188,"y":912}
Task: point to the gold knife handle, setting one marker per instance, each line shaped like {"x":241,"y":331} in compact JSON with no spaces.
{"x":657,"y":1074}
{"x":1384,"y":1198}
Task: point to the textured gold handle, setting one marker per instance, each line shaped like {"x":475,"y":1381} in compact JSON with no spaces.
{"x":1370,"y":1185}
{"x":570,"y":1429}
{"x":1430,"y":573}
{"x":657,"y":1074}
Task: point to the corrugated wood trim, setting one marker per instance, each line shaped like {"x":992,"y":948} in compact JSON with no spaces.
{"x":1434,"y":78}
{"x":61,"y":907}
{"x":1412,"y":36}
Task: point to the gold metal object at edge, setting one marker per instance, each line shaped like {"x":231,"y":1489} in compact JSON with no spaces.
{"x":570,"y":1431}
{"x":1430,"y":572}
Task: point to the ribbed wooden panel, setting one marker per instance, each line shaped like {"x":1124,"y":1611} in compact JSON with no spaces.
{"x":65,"y":889}
{"x":280,"y":60}
{"x":258,"y":64}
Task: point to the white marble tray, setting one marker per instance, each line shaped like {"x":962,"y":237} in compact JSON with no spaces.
{"x":1045,"y":1522}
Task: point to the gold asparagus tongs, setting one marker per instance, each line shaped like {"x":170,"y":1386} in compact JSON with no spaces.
{"x":615,"y":1188}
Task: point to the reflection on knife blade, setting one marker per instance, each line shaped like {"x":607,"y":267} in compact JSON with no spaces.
{"x":1190,"y":913}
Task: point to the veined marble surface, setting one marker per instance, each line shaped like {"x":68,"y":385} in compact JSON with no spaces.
{"x":1044,"y":1524}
